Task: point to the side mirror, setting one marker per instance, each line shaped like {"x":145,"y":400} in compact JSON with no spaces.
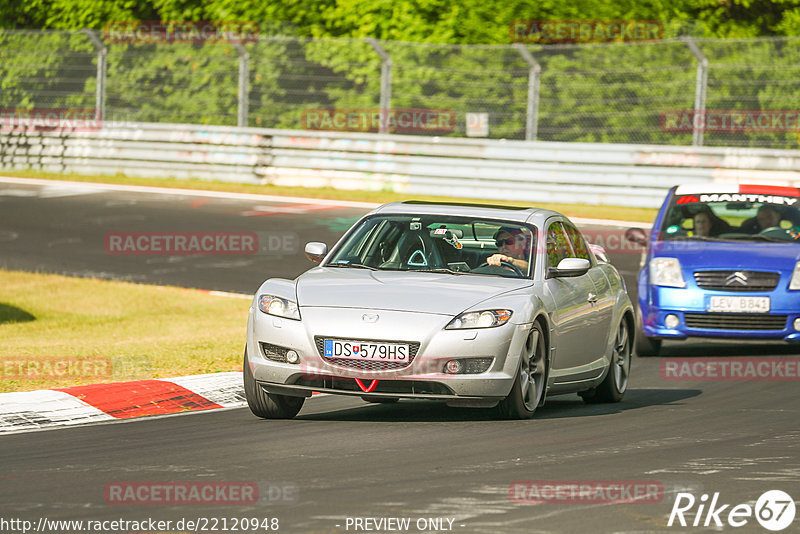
{"x":569,"y":267}
{"x":636,"y":236}
{"x":316,"y":251}
{"x":599,"y":253}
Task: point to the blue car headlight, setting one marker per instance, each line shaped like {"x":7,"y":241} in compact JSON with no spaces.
{"x":666,"y":272}
{"x":479,"y":319}
{"x":278,"y":306}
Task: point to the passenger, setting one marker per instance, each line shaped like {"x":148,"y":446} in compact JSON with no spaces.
{"x":513,"y":246}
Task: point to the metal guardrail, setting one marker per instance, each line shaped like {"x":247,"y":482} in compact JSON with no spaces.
{"x":527,"y":171}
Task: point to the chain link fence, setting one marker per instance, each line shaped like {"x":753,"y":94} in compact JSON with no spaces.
{"x":609,"y":93}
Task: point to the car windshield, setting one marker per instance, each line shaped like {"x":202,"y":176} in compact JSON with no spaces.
{"x":733,"y":217}
{"x":447,"y":244}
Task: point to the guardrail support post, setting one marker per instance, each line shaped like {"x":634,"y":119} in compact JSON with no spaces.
{"x":532,"y":115}
{"x":100,"y":93}
{"x":701,"y":87}
{"x":244,"y":85}
{"x":386,"y":83}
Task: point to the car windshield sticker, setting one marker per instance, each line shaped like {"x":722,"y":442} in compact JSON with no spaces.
{"x":672,"y":229}
{"x":743,"y":197}
{"x":417,"y":259}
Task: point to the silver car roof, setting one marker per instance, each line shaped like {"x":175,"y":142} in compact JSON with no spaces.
{"x":536,"y":216}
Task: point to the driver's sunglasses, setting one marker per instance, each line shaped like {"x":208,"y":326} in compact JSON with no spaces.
{"x":507,"y":241}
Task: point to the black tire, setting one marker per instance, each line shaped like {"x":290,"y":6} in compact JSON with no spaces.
{"x":614,"y":385}
{"x":268,"y":405}
{"x":644,"y":346}
{"x":529,"y":387}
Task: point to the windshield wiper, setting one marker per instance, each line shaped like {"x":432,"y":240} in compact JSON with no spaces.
{"x":439,"y":270}
{"x":356,"y":265}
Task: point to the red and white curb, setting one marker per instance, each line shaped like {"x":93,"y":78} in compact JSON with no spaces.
{"x":32,"y":410}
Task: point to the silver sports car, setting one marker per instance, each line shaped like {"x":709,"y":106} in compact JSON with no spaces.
{"x":474,"y":305}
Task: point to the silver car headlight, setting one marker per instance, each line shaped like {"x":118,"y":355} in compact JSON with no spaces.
{"x":666,"y":272}
{"x":480,"y":319}
{"x":795,"y":283}
{"x":280,"y":307}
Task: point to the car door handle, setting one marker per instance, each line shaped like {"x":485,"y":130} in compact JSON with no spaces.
{"x":592,"y":298}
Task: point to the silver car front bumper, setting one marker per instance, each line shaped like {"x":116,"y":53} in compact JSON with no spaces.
{"x":423,"y":378}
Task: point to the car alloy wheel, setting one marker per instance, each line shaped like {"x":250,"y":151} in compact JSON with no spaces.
{"x":529,"y":387}
{"x":621,"y":358}
{"x":613,"y":386}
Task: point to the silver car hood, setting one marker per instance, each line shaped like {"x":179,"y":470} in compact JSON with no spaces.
{"x":440,"y":293}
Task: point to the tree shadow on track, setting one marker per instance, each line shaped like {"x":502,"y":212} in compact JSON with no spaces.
{"x":555,"y":408}
{"x":12,"y":314}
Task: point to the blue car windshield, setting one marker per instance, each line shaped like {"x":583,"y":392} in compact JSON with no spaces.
{"x":726,"y":217}
{"x":436,"y":243}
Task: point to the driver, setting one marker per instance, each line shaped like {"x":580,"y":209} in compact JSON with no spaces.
{"x":513,"y":246}
{"x":767,"y":217}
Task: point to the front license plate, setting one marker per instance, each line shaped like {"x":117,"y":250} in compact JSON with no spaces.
{"x":366,"y":350}
{"x":739,"y":304}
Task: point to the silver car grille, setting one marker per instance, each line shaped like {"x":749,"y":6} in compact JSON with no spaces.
{"x":367,"y":365}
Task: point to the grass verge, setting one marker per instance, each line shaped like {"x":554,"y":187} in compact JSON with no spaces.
{"x":645,"y":215}
{"x":57,"y":331}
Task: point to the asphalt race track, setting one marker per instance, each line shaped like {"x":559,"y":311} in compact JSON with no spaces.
{"x":342,"y":460}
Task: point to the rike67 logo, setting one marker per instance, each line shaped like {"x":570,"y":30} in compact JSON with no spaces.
{"x":774,"y":510}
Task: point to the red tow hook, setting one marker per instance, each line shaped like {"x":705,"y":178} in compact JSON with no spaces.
{"x":366,"y":389}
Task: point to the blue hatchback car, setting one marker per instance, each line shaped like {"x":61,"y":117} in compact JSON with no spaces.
{"x":721,"y":261}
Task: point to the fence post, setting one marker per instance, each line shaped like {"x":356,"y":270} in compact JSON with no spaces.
{"x":701,"y":87}
{"x":386,"y":83}
{"x":100,"y":93}
{"x":532,"y":115}
{"x":244,"y":85}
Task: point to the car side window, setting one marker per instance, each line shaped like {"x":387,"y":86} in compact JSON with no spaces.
{"x":578,"y":244}
{"x":557,"y":245}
